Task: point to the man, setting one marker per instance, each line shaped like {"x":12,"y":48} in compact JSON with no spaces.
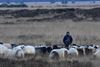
{"x":67,"y":40}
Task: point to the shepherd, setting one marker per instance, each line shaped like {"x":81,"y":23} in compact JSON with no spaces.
{"x":67,"y":40}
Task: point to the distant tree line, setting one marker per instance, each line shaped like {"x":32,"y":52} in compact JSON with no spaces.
{"x":72,"y":1}
{"x":13,"y":5}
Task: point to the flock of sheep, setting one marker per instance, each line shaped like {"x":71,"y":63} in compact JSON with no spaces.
{"x":13,"y":51}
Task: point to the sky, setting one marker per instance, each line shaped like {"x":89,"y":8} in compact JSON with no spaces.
{"x":38,"y":0}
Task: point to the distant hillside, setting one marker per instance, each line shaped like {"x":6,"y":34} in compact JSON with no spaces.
{"x":48,"y":14}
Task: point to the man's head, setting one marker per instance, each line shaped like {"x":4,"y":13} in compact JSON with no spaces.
{"x":67,"y":33}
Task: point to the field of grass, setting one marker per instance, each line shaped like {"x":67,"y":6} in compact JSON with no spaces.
{"x":46,"y":62}
{"x":48,"y":28}
{"x":50,"y":32}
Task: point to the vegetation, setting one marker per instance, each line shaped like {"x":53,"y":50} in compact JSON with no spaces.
{"x":44,"y":63}
{"x":48,"y":26}
{"x":13,"y":5}
{"x":48,"y":14}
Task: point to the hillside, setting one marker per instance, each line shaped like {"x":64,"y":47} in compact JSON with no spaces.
{"x":53,"y":14}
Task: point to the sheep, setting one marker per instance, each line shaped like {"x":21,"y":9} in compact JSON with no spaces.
{"x":73,"y":52}
{"x":9,"y":54}
{"x":90,"y":49}
{"x":3,"y":49}
{"x":92,"y":46}
{"x":84,"y":50}
{"x":81,"y":50}
{"x":55,"y":47}
{"x":29,"y":51}
{"x":8,"y":45}
{"x":41,"y":50}
{"x":19,"y":47}
{"x":74,"y":45}
{"x":19,"y":54}
{"x":58,"y":53}
{"x":97,"y":53}
{"x":49,"y":49}
{"x":14,"y":54}
{"x":14,"y":45}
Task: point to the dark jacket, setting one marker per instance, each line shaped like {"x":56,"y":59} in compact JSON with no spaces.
{"x":67,"y":40}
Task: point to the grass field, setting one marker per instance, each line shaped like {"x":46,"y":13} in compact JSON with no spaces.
{"x":53,"y":31}
{"x":47,"y":30}
{"x":48,"y":26}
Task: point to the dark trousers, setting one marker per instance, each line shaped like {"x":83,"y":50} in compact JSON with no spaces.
{"x":67,"y":45}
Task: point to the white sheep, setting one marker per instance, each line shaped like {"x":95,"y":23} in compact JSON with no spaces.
{"x":58,"y":53}
{"x":9,"y":54}
{"x":19,"y":47}
{"x":8,"y":45}
{"x":73,"y":52}
{"x":97,"y":53}
{"x":14,"y":53}
{"x":19,"y":53}
{"x":29,"y":50}
{"x":3,"y":49}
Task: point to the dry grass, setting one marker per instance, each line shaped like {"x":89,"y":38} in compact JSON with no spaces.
{"x":50,"y":32}
{"x":45,"y":63}
{"x":24,"y":30}
{"x":50,"y":27}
